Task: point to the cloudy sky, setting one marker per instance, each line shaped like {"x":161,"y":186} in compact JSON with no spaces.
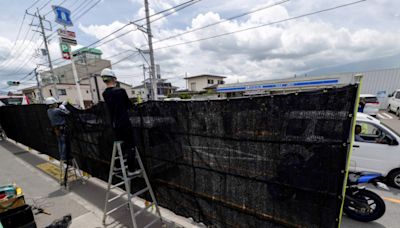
{"x":366,"y":30}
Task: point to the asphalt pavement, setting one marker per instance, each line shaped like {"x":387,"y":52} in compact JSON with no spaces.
{"x":85,"y":202}
{"x":390,"y":120}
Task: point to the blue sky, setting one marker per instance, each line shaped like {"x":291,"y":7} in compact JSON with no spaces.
{"x":367,"y":30}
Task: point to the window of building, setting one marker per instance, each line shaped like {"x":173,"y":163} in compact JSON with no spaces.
{"x":133,"y":92}
{"x":210,"y":81}
{"x":220,"y":82}
{"x":87,"y":91}
{"x":62,"y":92}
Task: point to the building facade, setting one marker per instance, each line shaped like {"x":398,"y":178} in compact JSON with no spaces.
{"x":199,"y":83}
{"x":164,"y":89}
{"x":89,"y":65}
{"x":377,"y":82}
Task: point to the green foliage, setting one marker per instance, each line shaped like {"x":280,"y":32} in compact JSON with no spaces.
{"x":185,"y":96}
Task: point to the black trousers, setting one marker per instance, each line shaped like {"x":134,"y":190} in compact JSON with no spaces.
{"x":128,"y":147}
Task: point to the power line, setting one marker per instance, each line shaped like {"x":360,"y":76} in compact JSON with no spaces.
{"x":262,"y":25}
{"x":16,"y":39}
{"x":61,"y":3}
{"x":189,"y":3}
{"x":117,"y":37}
{"x":21,"y":67}
{"x":81,"y":6}
{"x":84,"y":12}
{"x":33,"y":4}
{"x":169,"y":9}
{"x":179,"y":7}
{"x":44,"y":5}
{"x":16,"y":50}
{"x":73,"y":4}
{"x":27,"y":75}
{"x":222,"y":21}
{"x":11,"y":61}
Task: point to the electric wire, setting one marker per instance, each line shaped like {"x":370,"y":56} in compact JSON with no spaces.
{"x":222,"y":21}
{"x":44,"y":5}
{"x":15,"y":51}
{"x":60,"y":60}
{"x":61,"y":3}
{"x":84,"y":12}
{"x":33,"y":4}
{"x":11,"y":61}
{"x":262,"y":25}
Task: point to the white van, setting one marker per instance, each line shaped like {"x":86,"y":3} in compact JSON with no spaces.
{"x":394,"y":102}
{"x":376,"y":149}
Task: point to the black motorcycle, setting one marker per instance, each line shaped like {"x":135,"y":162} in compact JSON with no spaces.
{"x":361,"y":204}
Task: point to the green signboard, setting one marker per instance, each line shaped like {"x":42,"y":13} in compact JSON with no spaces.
{"x":65,"y":47}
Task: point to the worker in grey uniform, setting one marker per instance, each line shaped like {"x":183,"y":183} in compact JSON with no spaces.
{"x":57,"y":115}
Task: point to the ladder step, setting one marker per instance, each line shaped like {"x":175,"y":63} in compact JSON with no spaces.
{"x":143,"y":209}
{"x":118,"y":157}
{"x":140,"y":192}
{"x":119,"y":169}
{"x":151,"y":223}
{"x":116,"y":197}
{"x":117,"y":185}
{"x":130,"y":175}
{"x":113,"y":210}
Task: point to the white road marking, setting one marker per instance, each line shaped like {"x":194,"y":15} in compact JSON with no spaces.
{"x":380,"y":116}
{"x":387,"y":115}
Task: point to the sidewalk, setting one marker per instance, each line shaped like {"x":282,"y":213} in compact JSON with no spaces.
{"x":84,"y":202}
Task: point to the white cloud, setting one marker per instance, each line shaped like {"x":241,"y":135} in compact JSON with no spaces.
{"x":280,"y":50}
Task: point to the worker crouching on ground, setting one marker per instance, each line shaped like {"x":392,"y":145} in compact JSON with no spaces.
{"x":57,"y":115}
{"x":119,"y":105}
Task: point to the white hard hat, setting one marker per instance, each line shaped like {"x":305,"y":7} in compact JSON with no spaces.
{"x":50,"y":100}
{"x":107,"y":73}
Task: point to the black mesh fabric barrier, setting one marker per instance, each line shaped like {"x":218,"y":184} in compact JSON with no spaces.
{"x":29,"y":125}
{"x":267,"y":161}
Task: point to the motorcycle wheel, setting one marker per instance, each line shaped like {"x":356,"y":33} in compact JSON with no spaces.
{"x":375,"y":210}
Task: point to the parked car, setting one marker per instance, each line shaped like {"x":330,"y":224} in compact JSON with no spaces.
{"x":394,"y":102}
{"x":371,"y":104}
{"x":376,"y":149}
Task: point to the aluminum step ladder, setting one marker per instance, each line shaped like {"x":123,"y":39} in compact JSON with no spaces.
{"x":70,"y":172}
{"x":126,"y":177}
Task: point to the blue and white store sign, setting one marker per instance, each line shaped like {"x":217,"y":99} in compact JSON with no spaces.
{"x":310,"y":83}
{"x":63,"y":16}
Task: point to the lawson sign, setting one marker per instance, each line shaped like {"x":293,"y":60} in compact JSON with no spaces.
{"x":63,"y":16}
{"x":285,"y":85}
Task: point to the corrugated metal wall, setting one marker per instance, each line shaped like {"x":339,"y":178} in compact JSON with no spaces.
{"x":380,"y":83}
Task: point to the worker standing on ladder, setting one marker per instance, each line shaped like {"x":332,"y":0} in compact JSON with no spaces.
{"x":119,"y":105}
{"x":57,"y":115}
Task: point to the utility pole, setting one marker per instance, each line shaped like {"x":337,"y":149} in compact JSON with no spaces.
{"x":41,"y":99}
{"x":77,"y":85}
{"x":97,"y":87}
{"x":187,"y":81}
{"x":43,"y":33}
{"x":89,"y":76}
{"x":150,"y":36}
